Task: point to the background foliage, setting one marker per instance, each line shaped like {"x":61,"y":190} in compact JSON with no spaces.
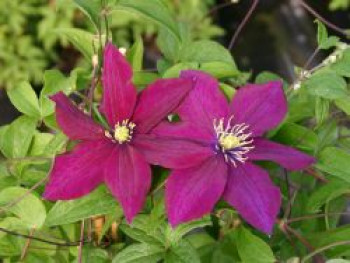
{"x":40,"y":231}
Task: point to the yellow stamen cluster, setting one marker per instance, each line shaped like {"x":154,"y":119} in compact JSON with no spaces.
{"x":233,"y":141}
{"x":122,"y":132}
{"x":229,"y":142}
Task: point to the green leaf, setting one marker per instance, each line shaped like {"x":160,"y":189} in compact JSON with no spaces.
{"x":335,"y":161}
{"x":29,"y":209}
{"x":17,"y":137}
{"x":95,"y":255}
{"x":206,"y":51}
{"x":175,"y":235}
{"x":140,"y":253}
{"x":297,"y":136}
{"x":3,"y":130}
{"x":267,"y":76}
{"x":81,"y":39}
{"x":228,"y":90}
{"x":325,"y":42}
{"x":135,"y":55}
{"x":99,"y":202}
{"x":182,"y":252}
{"x":328,"y":133}
{"x":343,"y":104}
{"x":56,"y":145}
{"x":91,"y":9}
{"x":154,"y":10}
{"x":23,"y":97}
{"x":326,"y":193}
{"x":322,"y":33}
{"x":175,"y":70}
{"x":342,"y":65}
{"x":143,"y":79}
{"x":139,"y":235}
{"x":326,"y":84}
{"x":251,"y":248}
{"x":54,"y":81}
{"x":40,"y":142}
{"x":321,"y":110}
{"x":220,"y":70}
{"x":146,"y":229}
{"x":321,"y":239}
{"x":168,"y":44}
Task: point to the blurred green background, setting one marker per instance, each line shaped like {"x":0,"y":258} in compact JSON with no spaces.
{"x":30,"y":40}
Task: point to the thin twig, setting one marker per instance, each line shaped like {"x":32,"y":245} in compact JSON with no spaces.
{"x":311,"y":58}
{"x":65,"y":244}
{"x":321,"y":249}
{"x":313,"y":173}
{"x":218,"y":7}
{"x":322,"y":19}
{"x":17,"y":200}
{"x":243,"y":23}
{"x":93,"y":84}
{"x":26,"y":246}
{"x":299,"y":237}
{"x":309,"y":217}
{"x":80,"y":253}
{"x":159,"y":187}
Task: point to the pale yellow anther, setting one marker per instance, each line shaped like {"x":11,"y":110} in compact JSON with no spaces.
{"x":121,"y":134}
{"x":229,"y":142}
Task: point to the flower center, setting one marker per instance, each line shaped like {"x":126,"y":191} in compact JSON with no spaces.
{"x":233,"y":141}
{"x":228,"y":142}
{"x":122,"y":132}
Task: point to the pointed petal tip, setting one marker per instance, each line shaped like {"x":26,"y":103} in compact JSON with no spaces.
{"x":129,"y":218}
{"x":275,"y":83}
{"x":57,"y":96}
{"x":46,"y":195}
{"x":111,"y":49}
{"x":286,"y":156}
{"x":261,"y":206}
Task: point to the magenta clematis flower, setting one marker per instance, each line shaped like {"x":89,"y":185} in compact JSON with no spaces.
{"x":228,"y":138}
{"x":110,"y":155}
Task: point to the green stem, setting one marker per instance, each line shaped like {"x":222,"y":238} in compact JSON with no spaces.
{"x":321,"y":249}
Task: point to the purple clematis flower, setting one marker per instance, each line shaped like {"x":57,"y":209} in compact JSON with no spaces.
{"x":228,"y":138}
{"x":110,"y":155}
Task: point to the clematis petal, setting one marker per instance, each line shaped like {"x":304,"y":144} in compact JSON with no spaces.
{"x":158,"y":100}
{"x":79,"y":172}
{"x":172,"y":152}
{"x":128,"y":176}
{"x":286,"y":156}
{"x":250,"y":191}
{"x":204,"y":103}
{"x":183,"y":130}
{"x":261,"y":106}
{"x":74,"y":123}
{"x":192,"y":193}
{"x":119,"y":94}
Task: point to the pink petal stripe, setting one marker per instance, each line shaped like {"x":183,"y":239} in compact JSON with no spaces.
{"x":261,"y":106}
{"x":204,"y":103}
{"x":172,"y":152}
{"x":74,"y":123}
{"x":184,"y":130}
{"x":250,"y":191}
{"x":192,"y":193}
{"x":119,"y":94}
{"x":158,"y":100}
{"x":286,"y":156}
{"x":77,"y":173}
{"x":128,"y":176}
